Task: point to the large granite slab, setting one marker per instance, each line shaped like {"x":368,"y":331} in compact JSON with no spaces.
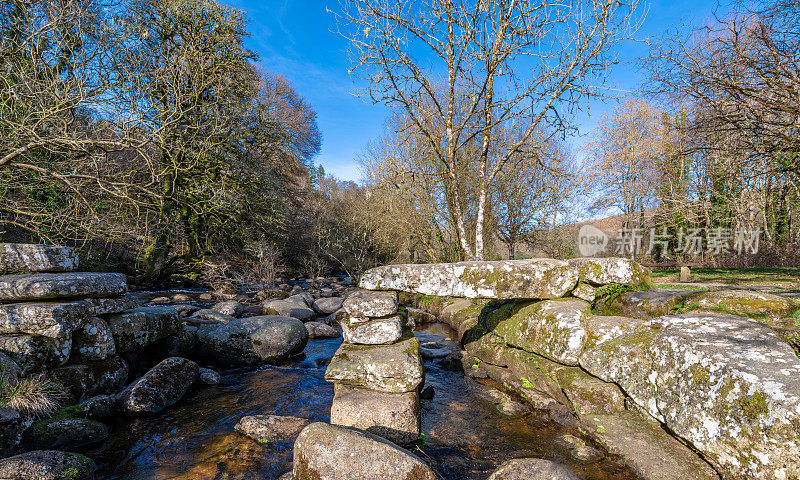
{"x":538,"y":278}
{"x":50,"y":319}
{"x":25,"y":257}
{"x":44,"y":286}
{"x":725,"y":384}
{"x":393,"y":368}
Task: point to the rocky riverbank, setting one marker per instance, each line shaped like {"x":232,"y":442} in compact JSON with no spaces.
{"x":718,"y":370}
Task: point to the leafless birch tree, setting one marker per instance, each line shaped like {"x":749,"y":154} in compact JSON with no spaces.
{"x":458,"y":69}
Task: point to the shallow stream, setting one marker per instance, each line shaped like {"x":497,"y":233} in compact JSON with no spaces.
{"x":464,"y":438}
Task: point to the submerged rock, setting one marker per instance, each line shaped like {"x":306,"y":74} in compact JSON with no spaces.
{"x":252,"y":340}
{"x":271,"y":428}
{"x":393,"y":416}
{"x":330,"y":452}
{"x":647,"y":449}
{"x":209,"y":377}
{"x":507,"y":279}
{"x":162,"y":386}
{"x":532,"y":469}
{"x":321,"y":330}
{"x":393,"y":368}
{"x":724,"y":383}
{"x":47,"y":464}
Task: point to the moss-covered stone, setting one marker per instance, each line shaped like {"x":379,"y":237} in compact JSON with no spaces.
{"x":746,"y":302}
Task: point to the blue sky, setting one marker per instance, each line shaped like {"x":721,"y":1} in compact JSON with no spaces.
{"x":295,"y":38}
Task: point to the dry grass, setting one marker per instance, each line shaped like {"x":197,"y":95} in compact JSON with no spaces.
{"x":34,"y":395}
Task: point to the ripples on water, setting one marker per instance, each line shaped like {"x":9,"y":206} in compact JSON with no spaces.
{"x":195,"y":440}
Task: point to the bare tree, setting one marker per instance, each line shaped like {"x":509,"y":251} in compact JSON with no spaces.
{"x":626,"y":158}
{"x":458,"y":69}
{"x":531,"y":191}
{"x":740,"y":78}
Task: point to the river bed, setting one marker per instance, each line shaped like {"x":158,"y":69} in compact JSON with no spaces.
{"x":464,"y":438}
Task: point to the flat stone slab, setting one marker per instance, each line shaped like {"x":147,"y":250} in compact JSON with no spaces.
{"x":36,"y":352}
{"x":648,"y":303}
{"x":58,"y":319}
{"x":27,"y":257}
{"x":649,"y":451}
{"x":746,"y":302}
{"x":393,"y":416}
{"x":52,"y":319}
{"x":393,"y":368}
{"x":603,"y":271}
{"x":376,"y":331}
{"x":538,"y":278}
{"x":726,"y":384}
{"x":43,"y":286}
{"x":554,"y":329}
{"x":370,"y":304}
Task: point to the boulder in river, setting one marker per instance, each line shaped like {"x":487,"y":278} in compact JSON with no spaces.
{"x":231,"y":308}
{"x":271,"y":428}
{"x":393,"y":416}
{"x":330,"y":452}
{"x":326,"y":306}
{"x":532,"y":469}
{"x":296,"y":308}
{"x":47,"y":464}
{"x":253,"y":340}
{"x":321,"y":330}
{"x":65,"y":434}
{"x":162,"y":386}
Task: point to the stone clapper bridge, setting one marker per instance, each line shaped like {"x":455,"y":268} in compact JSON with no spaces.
{"x":725,"y":386}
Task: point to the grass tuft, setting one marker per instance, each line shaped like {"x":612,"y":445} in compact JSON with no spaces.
{"x":33,"y":395}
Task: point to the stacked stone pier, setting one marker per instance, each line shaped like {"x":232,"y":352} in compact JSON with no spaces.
{"x":377,"y":371}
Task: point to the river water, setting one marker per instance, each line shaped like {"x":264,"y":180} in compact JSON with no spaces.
{"x":464,"y":437}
